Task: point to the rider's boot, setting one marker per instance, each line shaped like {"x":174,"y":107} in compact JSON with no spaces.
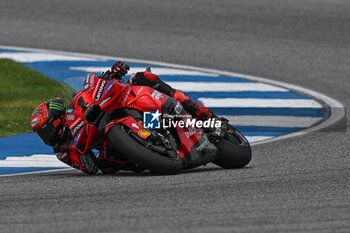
{"x":195,"y":109}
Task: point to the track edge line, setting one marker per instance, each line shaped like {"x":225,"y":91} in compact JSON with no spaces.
{"x":337,"y":110}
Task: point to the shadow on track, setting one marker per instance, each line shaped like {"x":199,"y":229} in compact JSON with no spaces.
{"x":73,"y":173}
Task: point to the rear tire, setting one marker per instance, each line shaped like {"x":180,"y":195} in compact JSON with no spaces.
{"x":234,"y":151}
{"x":140,"y":155}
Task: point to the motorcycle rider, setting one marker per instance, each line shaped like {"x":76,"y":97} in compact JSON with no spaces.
{"x":54,"y":124}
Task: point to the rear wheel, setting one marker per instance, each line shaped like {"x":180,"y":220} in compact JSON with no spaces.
{"x":233,"y":149}
{"x":123,"y":139}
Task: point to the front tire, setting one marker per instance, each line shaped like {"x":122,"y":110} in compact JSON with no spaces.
{"x":234,"y":150}
{"x":121,"y":140}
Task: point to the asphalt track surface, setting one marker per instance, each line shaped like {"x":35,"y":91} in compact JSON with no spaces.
{"x":294,"y":185}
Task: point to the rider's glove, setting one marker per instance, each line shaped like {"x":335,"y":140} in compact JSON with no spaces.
{"x":120,"y":69}
{"x":108,"y":75}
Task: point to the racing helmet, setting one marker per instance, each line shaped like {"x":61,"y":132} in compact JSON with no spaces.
{"x":47,"y":121}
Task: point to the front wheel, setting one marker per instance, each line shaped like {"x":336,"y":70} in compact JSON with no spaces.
{"x":122,"y":140}
{"x":233,"y":149}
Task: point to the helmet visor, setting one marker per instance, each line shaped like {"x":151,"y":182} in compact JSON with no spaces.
{"x":47,"y":134}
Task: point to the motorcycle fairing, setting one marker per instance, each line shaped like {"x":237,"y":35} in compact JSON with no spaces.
{"x":132,"y":124}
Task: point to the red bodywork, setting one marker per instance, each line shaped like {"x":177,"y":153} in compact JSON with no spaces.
{"x":112,"y":95}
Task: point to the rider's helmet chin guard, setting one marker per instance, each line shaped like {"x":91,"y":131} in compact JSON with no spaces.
{"x":47,"y":121}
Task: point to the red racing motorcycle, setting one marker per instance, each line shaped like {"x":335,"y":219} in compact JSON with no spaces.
{"x":170,"y":141}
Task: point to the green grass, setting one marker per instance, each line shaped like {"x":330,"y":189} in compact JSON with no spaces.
{"x":21,"y":90}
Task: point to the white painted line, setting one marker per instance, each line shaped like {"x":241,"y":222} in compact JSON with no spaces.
{"x":37,"y":172}
{"x":37,"y":57}
{"x":156,"y":70}
{"x":259,"y":103}
{"x":224,"y":86}
{"x":252,"y":139}
{"x":273,"y":121}
{"x":48,"y":161}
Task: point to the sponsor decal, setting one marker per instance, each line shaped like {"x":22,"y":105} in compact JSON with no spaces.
{"x":70,"y":110}
{"x":78,"y":127}
{"x":126,"y":96}
{"x":100,"y":90}
{"x":109,"y":86}
{"x":178,"y":108}
{"x":134,"y":125}
{"x":143,"y":133}
{"x":56,"y":106}
{"x":61,"y":155}
{"x":87,"y":80}
{"x":70,"y":117}
{"x":105,"y":101}
{"x":76,"y":139}
{"x":191,"y":131}
{"x":157,"y":95}
{"x":34,"y":122}
{"x":202,"y":146}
